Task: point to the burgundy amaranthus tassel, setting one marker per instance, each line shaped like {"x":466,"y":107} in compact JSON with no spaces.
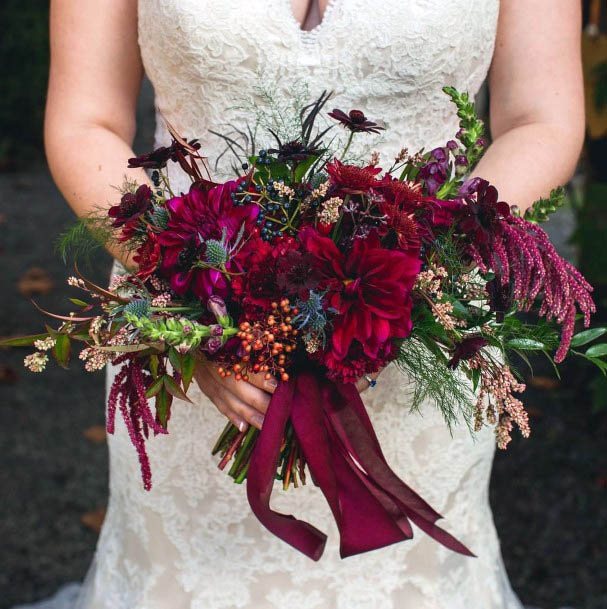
{"x":521,"y":253}
{"x":127,"y":394}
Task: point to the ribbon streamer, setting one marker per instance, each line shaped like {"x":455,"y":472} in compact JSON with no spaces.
{"x":373,"y":508}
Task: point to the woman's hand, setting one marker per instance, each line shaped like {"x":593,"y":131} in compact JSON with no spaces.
{"x":244,"y":403}
{"x":363,"y":383}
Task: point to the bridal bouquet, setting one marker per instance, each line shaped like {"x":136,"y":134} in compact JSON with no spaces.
{"x":320,"y":271}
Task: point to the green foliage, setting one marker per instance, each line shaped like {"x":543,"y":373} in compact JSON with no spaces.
{"x":23,"y":73}
{"x":541,"y":209}
{"x":472,"y":127}
{"x":81,"y":241}
{"x":434,"y":381}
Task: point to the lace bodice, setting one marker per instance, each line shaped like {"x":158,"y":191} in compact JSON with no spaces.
{"x":192,"y":542}
{"x":208,"y":61}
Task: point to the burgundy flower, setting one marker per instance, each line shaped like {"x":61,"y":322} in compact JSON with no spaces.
{"x":445,"y":213}
{"x":295,"y":151}
{"x":157,"y":159}
{"x":147,"y":256}
{"x":355,"y":121}
{"x":369,"y":287}
{"x":352,"y":179}
{"x":408,"y":196}
{"x":402,"y":226}
{"x":483,"y":212}
{"x":466,"y":349}
{"x":132,"y":206}
{"x":197,"y":218}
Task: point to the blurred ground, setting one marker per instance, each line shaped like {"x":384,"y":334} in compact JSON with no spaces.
{"x":548,"y":492}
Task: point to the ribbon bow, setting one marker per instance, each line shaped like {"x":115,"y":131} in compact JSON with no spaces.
{"x":373,"y":508}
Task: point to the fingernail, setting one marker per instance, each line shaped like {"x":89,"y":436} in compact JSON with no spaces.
{"x":242,"y":426}
{"x":258,"y":420}
{"x":272,"y":382}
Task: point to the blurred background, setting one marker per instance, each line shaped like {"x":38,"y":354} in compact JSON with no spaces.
{"x":549,"y":493}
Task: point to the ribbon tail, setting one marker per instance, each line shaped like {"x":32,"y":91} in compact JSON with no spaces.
{"x":260,"y":479}
{"x":353,"y":428}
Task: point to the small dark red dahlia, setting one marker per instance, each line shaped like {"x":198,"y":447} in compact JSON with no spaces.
{"x":355,"y":121}
{"x":352,"y":179}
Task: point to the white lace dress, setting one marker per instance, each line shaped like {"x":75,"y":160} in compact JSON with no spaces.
{"x":192,"y":542}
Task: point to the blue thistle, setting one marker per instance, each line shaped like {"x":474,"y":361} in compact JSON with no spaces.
{"x":160,"y":217}
{"x":216,"y":253}
{"x":312,"y":314}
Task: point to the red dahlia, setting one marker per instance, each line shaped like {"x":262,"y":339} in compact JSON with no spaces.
{"x":196,"y":219}
{"x":369,"y":287}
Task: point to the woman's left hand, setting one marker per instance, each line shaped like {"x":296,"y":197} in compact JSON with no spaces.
{"x":363,"y":383}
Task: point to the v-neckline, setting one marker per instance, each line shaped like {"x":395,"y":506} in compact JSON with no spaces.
{"x":310,"y":34}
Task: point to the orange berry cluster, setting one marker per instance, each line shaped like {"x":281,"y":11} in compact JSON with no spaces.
{"x":266,"y":344}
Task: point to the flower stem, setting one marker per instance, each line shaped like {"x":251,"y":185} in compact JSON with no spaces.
{"x":350,"y":138}
{"x":231,"y":450}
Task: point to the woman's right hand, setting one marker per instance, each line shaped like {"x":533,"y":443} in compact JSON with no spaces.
{"x":244,"y":403}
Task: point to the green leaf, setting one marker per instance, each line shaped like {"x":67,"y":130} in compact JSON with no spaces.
{"x":62,"y":349}
{"x":163,"y":404}
{"x":587,"y":336}
{"x":476,"y":377}
{"x":175,"y":359}
{"x":597,"y":350}
{"x":154,"y":365}
{"x":78,"y":302}
{"x":174,"y":389}
{"x":525,"y":344}
{"x":188,"y":365}
{"x":22,"y":341}
{"x":155,"y":387}
{"x":600,"y":364}
{"x":303,"y":167}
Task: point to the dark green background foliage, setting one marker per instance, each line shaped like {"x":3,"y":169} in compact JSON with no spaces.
{"x":23,"y":73}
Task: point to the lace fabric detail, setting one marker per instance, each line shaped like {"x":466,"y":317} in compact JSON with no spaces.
{"x":192,"y":542}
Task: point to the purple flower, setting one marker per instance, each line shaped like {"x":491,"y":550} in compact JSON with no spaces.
{"x":213,"y":344}
{"x":217,"y":306}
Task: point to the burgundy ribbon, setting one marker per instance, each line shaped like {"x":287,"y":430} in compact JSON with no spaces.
{"x":373,"y":508}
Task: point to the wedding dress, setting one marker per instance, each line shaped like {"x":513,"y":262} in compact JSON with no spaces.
{"x":192,"y":541}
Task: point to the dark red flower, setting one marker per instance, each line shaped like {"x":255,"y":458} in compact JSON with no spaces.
{"x":481,"y":216}
{"x":402,"y":226}
{"x":370,"y":289}
{"x":356,"y":121}
{"x":466,"y":349}
{"x":157,"y":159}
{"x":132,"y":206}
{"x":444,"y":213}
{"x":351,"y":178}
{"x":408,"y":196}
{"x":198,"y":219}
{"x":147,"y":256}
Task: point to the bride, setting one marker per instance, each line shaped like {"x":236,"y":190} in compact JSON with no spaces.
{"x":192,"y":542}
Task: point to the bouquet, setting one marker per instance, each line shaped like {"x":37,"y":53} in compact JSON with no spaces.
{"x":318,"y":271}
